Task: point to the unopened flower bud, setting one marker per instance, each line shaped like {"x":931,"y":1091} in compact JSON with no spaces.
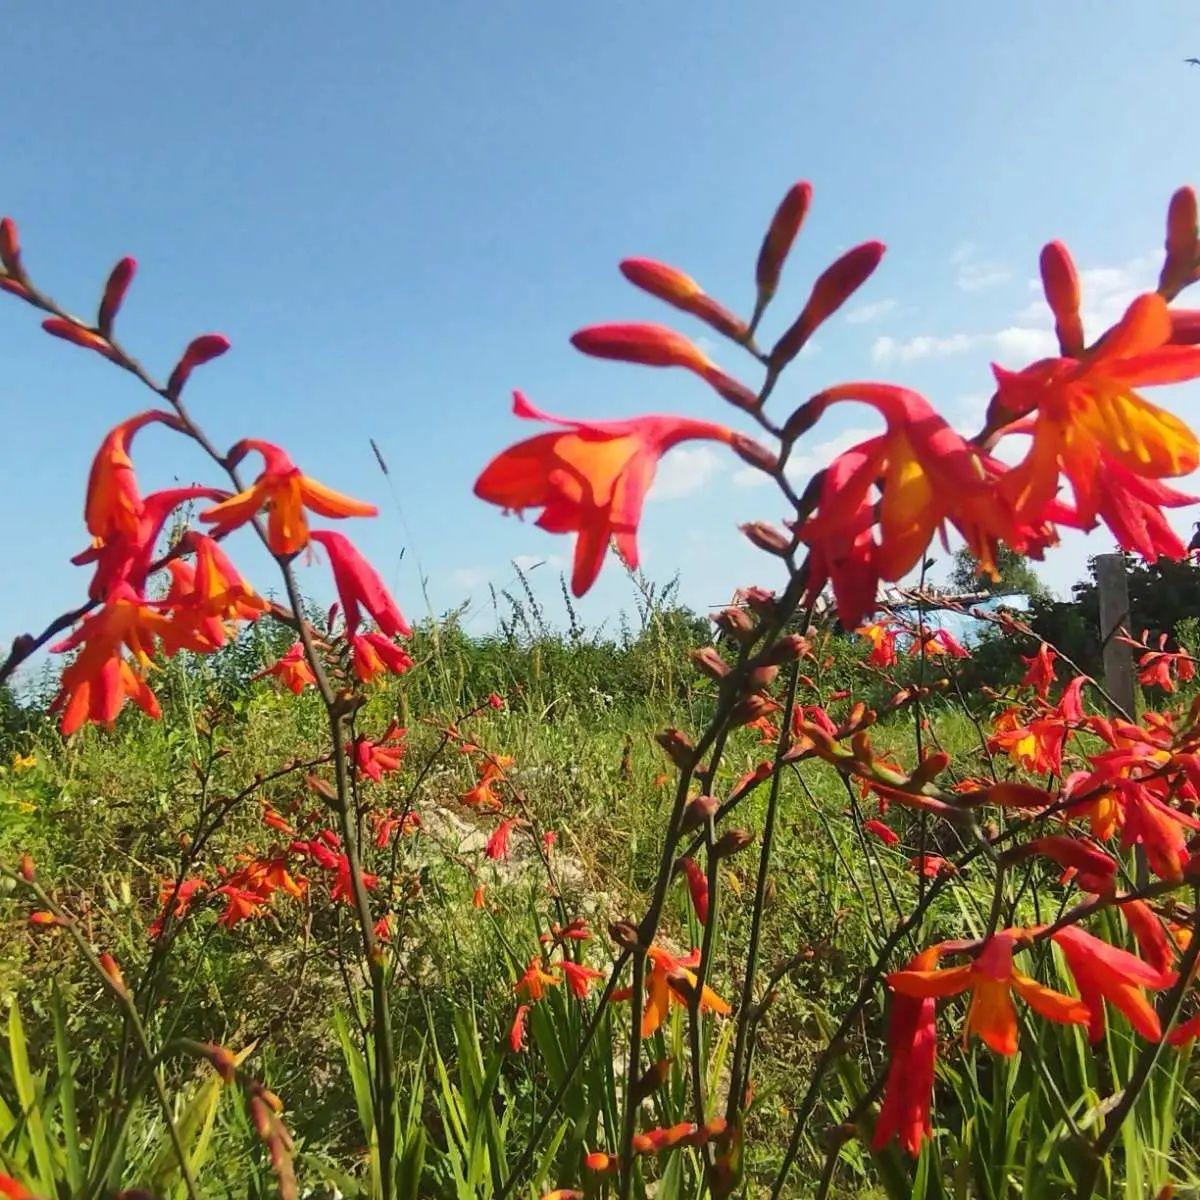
{"x":738,"y":394}
{"x":1180,"y":246}
{"x":674,"y":287}
{"x":108,"y":965}
{"x":643,"y":343}
{"x":678,"y":747}
{"x":624,"y":933}
{"x":767,"y":537}
{"x":761,"y":678}
{"x":1060,"y":282}
{"x":708,"y":661}
{"x":601,"y":1163}
{"x":788,"y":648}
{"x":10,"y":248}
{"x":833,"y":288}
{"x":802,"y":420}
{"x":1185,"y":327}
{"x":80,"y":335}
{"x":697,"y":812}
{"x":759,"y":600}
{"x":736,"y":622}
{"x":199,"y":351}
{"x":781,"y":233}
{"x":26,"y":867}
{"x":731,"y":842}
{"x":754,"y":453}
{"x":114,"y":294}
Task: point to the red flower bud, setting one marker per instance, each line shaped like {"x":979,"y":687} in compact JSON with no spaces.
{"x":200,"y":350}
{"x":789,"y":648}
{"x":784,"y":227}
{"x":1180,"y":245}
{"x":27,"y":867}
{"x":69,"y":331}
{"x":114,"y":294}
{"x":697,"y":811}
{"x":731,"y":842}
{"x":678,"y":746}
{"x":697,"y":883}
{"x":1061,"y":285}
{"x":754,"y":454}
{"x":736,"y":622}
{"x":767,"y":537}
{"x":10,"y":248}
{"x":649,"y":345}
{"x":108,"y":965}
{"x":1185,"y":327}
{"x":683,"y":292}
{"x":738,"y":394}
{"x":708,"y":661}
{"x":834,"y":287}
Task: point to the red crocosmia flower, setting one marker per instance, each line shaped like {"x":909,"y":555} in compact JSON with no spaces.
{"x":579,"y":977}
{"x":497,"y":847}
{"x":495,"y":701}
{"x":386,"y":823}
{"x":127,"y":558}
{"x":374,"y":654}
{"x":590,"y":478}
{"x":883,"y":643}
{"x":343,"y":888}
{"x":375,"y":758}
{"x":682,"y":291}
{"x":549,"y":840}
{"x":477,"y":897}
{"x":178,"y":900}
{"x":657,"y":346}
{"x":991,"y":979}
{"x":359,"y":587}
{"x":931,"y":865}
{"x":114,"y":505}
{"x":516,"y":1035}
{"x":241,"y":904}
{"x":697,"y":883}
{"x":206,"y":599}
{"x":671,"y":980}
{"x":654,"y":1141}
{"x":1091,"y":869}
{"x":1131,"y":507}
{"x":1103,"y":972}
{"x":1151,"y":823}
{"x":888,"y":836}
{"x":912,"y":1047}
{"x":533,"y":984}
{"x":292,"y":670}
{"x":1040,"y":670}
{"x":383,"y":928}
{"x":483,"y":794}
{"x":1155,"y":667}
{"x":1088,"y":416}
{"x":939,"y":642}
{"x":929,"y":475}
{"x":45,"y":919}
{"x":601,"y":1163}
{"x":285,"y":493}
{"x":12,"y":1190}
{"x":1182,"y":1034}
{"x":97,"y":683}
{"x":278,"y":822}
{"x":1149,"y":934}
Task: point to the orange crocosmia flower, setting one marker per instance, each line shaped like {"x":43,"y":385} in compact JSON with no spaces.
{"x":483,"y":794}
{"x":1040,"y":670}
{"x":1089,"y":868}
{"x":516,"y":1035}
{"x":12,"y":1190}
{"x":343,"y":887}
{"x":991,"y":980}
{"x":114,"y":504}
{"x":96,"y":685}
{"x":206,"y":599}
{"x":882,"y":639}
{"x":588,"y":478}
{"x":359,"y":587}
{"x":1103,"y":972}
{"x":1087,"y":416}
{"x":670,"y":980}
{"x":579,"y":977}
{"x":497,"y":847}
{"x":533,"y":984}
{"x":1149,"y":934}
{"x":912,"y":1047}
{"x":292,"y":670}
{"x":285,"y":493}
{"x":928,"y":475}
{"x":373,"y":654}
{"x":374,"y":758}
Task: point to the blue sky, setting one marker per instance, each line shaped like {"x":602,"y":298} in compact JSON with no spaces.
{"x":399,"y":213}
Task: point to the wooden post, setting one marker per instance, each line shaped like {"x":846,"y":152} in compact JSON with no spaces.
{"x":1114,"y":617}
{"x":1119,"y":676}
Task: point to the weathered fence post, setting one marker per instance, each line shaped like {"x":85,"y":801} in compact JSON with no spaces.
{"x":1119,"y":679}
{"x":1114,"y":617}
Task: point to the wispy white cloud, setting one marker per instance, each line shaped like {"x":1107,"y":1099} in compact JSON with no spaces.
{"x":1018,"y":345}
{"x":890,"y":349}
{"x":862,"y":313}
{"x":975,"y":274}
{"x":469,"y":578}
{"x":684,"y":471}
